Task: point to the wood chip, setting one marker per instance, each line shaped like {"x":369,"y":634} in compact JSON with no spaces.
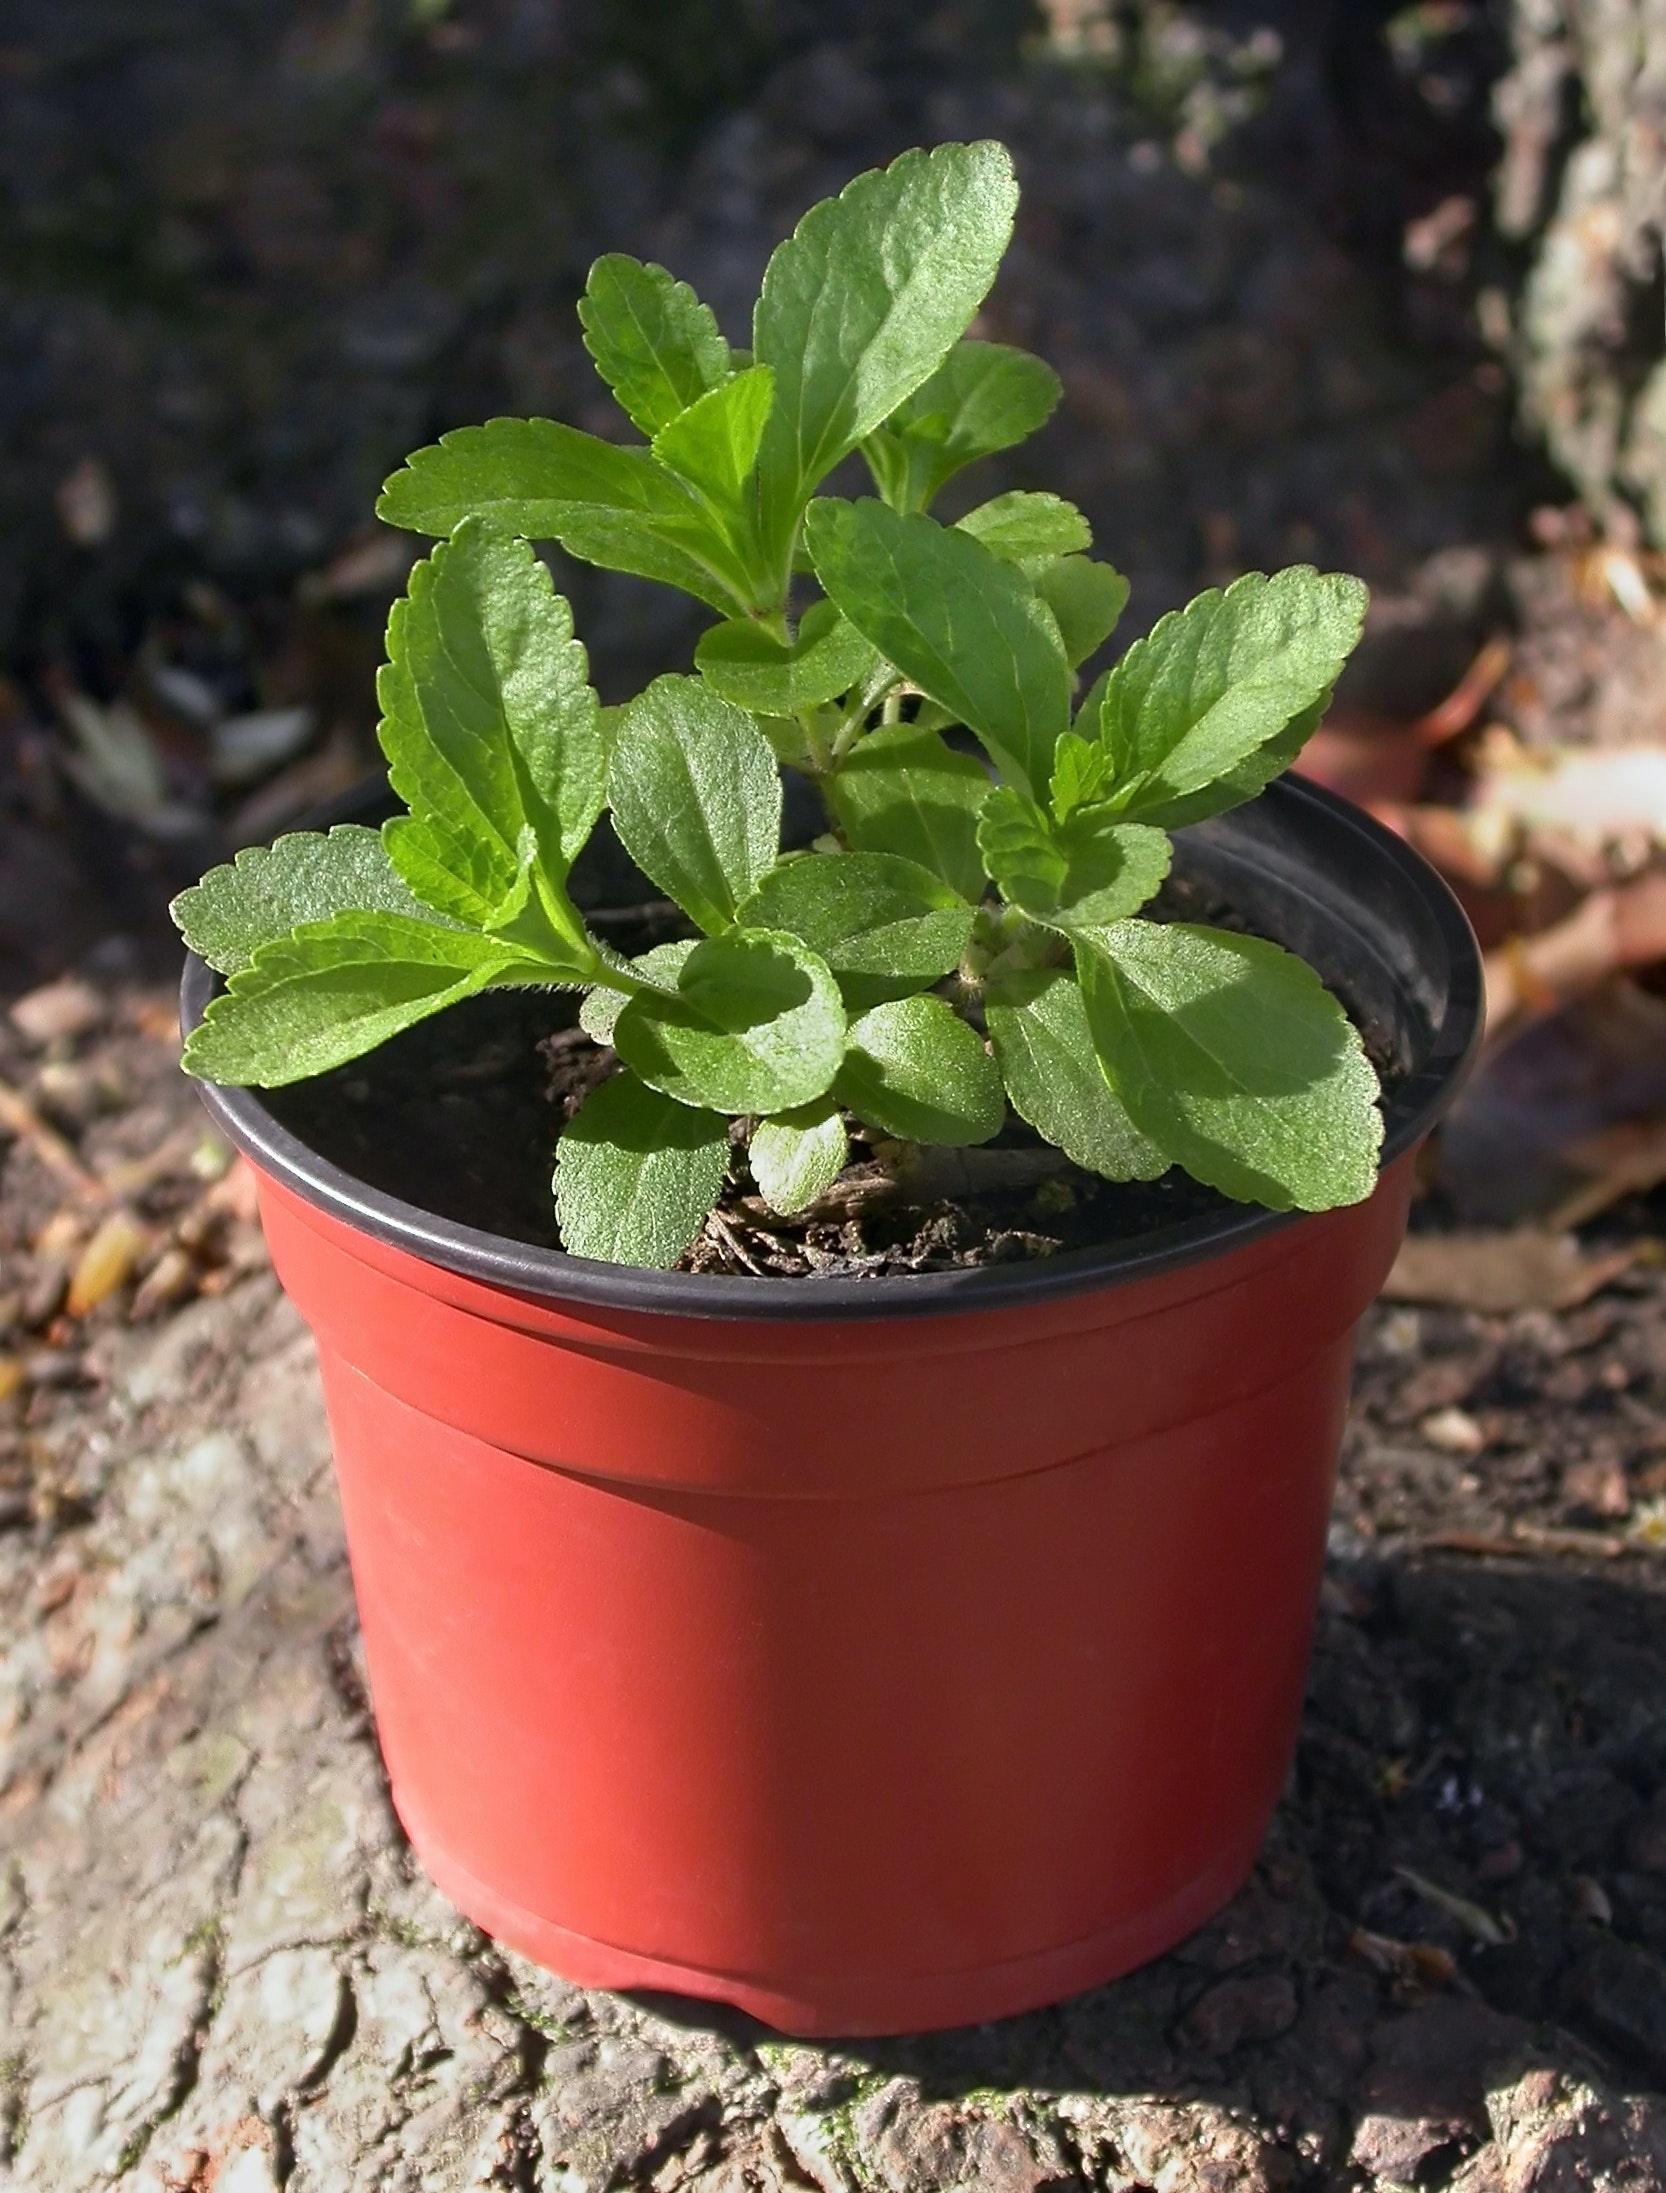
{"x":18,"y":1117}
{"x":67,"y":1007}
{"x":1521,"y":1540}
{"x":1525,"y":1268}
{"x":1419,"y":1967}
{"x":106,"y":1262}
{"x":1479,"y":1924}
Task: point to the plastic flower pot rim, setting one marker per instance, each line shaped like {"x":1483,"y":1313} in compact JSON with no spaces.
{"x":1361,"y":847}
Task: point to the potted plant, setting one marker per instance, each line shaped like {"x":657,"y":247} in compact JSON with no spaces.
{"x":872,"y":1651}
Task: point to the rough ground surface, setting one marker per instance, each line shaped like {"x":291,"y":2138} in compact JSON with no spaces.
{"x":220,"y":1968}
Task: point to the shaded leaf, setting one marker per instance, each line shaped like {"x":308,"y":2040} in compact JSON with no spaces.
{"x":749,"y":666}
{"x":1233,"y":1057}
{"x":696,"y":798}
{"x":714,"y":444}
{"x":907,"y":791}
{"x":1090,"y":869}
{"x":885,"y":926}
{"x":798,"y":1156}
{"x":653,"y":342}
{"x":268,"y":890}
{"x":636,"y":1174}
{"x":1081,"y":774}
{"x":1087,"y":600}
{"x":756,"y":1024}
{"x":1022,"y":527}
{"x":1038,"y":1025}
{"x":914,"y":1069}
{"x":983,"y":397}
{"x":961,"y":624}
{"x":661,"y":963}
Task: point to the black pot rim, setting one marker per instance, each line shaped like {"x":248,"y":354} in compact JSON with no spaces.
{"x":553,"y":1275}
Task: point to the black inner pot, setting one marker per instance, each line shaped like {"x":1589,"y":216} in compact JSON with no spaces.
{"x":1297,"y":865}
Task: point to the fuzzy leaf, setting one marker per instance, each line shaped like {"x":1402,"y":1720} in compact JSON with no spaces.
{"x":654,"y":343}
{"x":756,"y":1024}
{"x":1091,"y":869}
{"x":268,"y":890}
{"x":961,"y":624}
{"x":798,"y":1156}
{"x":488,"y":724}
{"x":885,"y":926}
{"x":696,"y":798}
{"x":1081,"y":774}
{"x":609,"y":505}
{"x":1021,"y":527}
{"x":861,"y":303}
{"x":714,"y":444}
{"x":1211,"y":683}
{"x":1233,"y":1057}
{"x":602,"y":1005}
{"x":1038,"y":1025}
{"x":1087,"y":600}
{"x":636,"y":1174}
{"x":1239,"y":783}
{"x":914,"y":1069}
{"x":983,"y":397}
{"x":908,"y":792}
{"x":334,"y":990}
{"x":749,"y":666}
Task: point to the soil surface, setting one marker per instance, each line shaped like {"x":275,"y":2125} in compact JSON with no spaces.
{"x":460,"y":1114}
{"x":221,"y":1967}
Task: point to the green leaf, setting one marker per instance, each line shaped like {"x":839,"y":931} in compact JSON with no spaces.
{"x":1239,"y":783}
{"x":1021,"y":527}
{"x":885,"y":926}
{"x":914,"y":1069}
{"x":1081,"y":774}
{"x":961,"y":624}
{"x":334,"y":990}
{"x":606,"y":504}
{"x":747,"y":1022}
{"x":661,"y":963}
{"x":798,"y":1156}
{"x":714,"y":444}
{"x":636,"y":1174}
{"x":1211,"y":683}
{"x":860,"y":304}
{"x":756,"y":1024}
{"x":1091,"y":869}
{"x":696,"y":798}
{"x":268,"y":890}
{"x":1038,"y":1025}
{"x":908,"y":792}
{"x":1232,"y":1055}
{"x":488,"y":723}
{"x":983,"y":397}
{"x":751,"y":667}
{"x":654,"y":343}
{"x":1087,"y":600}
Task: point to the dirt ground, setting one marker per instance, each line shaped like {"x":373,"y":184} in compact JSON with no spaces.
{"x":252,"y":256}
{"x":220,"y":1967}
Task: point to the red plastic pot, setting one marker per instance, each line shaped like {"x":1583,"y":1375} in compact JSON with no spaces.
{"x":870,"y":1654}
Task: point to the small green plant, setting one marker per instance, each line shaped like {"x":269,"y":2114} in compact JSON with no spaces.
{"x":966,"y":933}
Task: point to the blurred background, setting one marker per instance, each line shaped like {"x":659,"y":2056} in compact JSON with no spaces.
{"x":1366,"y":284}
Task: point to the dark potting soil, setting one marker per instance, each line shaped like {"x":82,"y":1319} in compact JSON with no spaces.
{"x":460,"y":1115}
